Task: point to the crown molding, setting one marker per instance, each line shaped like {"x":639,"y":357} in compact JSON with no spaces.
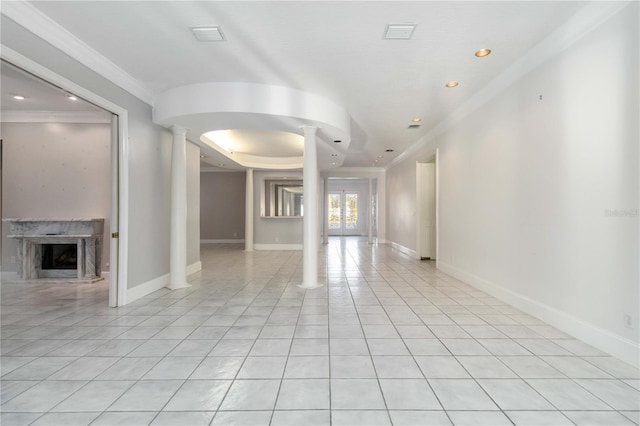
{"x":32,"y":19}
{"x":55,"y":117}
{"x":587,"y":19}
{"x":356,"y":170}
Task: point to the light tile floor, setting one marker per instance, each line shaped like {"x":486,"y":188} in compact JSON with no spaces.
{"x":387,"y":340}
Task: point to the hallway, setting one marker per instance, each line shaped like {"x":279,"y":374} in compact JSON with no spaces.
{"x":388,"y":340}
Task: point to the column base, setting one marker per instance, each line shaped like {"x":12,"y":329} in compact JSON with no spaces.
{"x":177,"y":286}
{"x":311,"y":287}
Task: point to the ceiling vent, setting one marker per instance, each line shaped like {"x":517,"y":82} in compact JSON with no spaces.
{"x":208,"y":33}
{"x":399,"y":31}
{"x":413,"y":126}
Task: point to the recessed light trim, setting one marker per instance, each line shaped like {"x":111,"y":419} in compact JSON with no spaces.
{"x":399,"y":31}
{"x":483,"y":52}
{"x":211,"y":33}
{"x":19,"y":97}
{"x":72,"y":98}
{"x":416,"y":120}
{"x":451,"y":84}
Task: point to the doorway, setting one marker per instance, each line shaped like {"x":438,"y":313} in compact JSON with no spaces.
{"x":116,"y":119}
{"x":344,"y":213}
{"x":426,"y":210}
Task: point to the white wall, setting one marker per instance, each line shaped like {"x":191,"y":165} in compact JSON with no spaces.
{"x":55,"y":170}
{"x":149,"y":156}
{"x":526,"y":186}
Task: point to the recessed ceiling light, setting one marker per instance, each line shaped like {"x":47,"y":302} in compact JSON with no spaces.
{"x":451,"y":84}
{"x":337,"y":141}
{"x":203,"y":156}
{"x":388,"y":150}
{"x":375,"y":161}
{"x":414,"y":126}
{"x":483,"y":52}
{"x":18,"y":97}
{"x":208,"y":33}
{"x":399,"y":31}
{"x":416,"y":120}
{"x":334,"y":155}
{"x":333,"y":164}
{"x":72,"y":98}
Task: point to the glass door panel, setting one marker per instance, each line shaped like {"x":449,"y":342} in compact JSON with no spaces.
{"x":343,"y":214}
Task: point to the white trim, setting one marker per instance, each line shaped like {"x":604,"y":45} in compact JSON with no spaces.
{"x":277,"y":246}
{"x":600,"y":338}
{"x":353,"y":170}
{"x":55,"y":117}
{"x":207,"y":169}
{"x":222,"y":241}
{"x":32,"y":19}
{"x":406,"y":250}
{"x":38,"y":70}
{"x":582,"y":23}
{"x":147,"y":288}
{"x":156,"y":284}
{"x":194,"y":268}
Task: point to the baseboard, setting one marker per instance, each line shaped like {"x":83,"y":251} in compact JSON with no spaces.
{"x":156,"y":284}
{"x":222,"y":241}
{"x":146,"y":288}
{"x":611,"y":343}
{"x":105,"y":274}
{"x":409,"y":252}
{"x":194,"y":267}
{"x":277,"y":246}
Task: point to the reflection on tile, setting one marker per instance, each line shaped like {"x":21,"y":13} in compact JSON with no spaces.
{"x":385,"y":339}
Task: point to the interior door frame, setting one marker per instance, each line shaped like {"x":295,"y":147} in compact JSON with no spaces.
{"x":119,"y":232}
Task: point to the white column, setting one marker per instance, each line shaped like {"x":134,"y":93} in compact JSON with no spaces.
{"x":248,"y":212}
{"x":178,"y":249}
{"x":310,"y":238}
{"x":370,"y":215}
{"x":325,"y":207}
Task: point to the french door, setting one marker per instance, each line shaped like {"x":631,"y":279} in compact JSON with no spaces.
{"x":344,"y":215}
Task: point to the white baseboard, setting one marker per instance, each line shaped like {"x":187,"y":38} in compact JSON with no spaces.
{"x":194,"y":267}
{"x":614,"y":344}
{"x":277,"y":246}
{"x":146,"y":288}
{"x":155,"y":284}
{"x":222,"y":241}
{"x":405,"y":250}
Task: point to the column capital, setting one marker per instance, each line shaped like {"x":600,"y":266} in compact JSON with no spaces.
{"x":179,"y":130}
{"x":309,"y":129}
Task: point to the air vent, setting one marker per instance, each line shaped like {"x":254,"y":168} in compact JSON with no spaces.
{"x":388,"y":150}
{"x":413,"y":126}
{"x":399,"y":31}
{"x":208,"y":33}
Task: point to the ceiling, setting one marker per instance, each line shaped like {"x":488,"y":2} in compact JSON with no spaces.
{"x":39,"y":96}
{"x":333,"y":49}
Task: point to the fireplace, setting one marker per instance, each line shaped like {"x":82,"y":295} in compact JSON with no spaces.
{"x":59,"y":256}
{"x":63,"y":249}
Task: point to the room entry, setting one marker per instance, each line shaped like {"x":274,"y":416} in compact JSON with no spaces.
{"x":343,"y":213}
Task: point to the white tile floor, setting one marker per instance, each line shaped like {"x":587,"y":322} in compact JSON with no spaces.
{"x":388,"y":340}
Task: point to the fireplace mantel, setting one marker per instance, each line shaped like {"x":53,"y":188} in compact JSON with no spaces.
{"x":33,"y":233}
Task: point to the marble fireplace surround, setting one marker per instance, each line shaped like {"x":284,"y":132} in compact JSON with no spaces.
{"x":32,"y":234}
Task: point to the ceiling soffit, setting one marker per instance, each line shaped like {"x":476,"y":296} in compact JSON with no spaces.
{"x":207,"y":107}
